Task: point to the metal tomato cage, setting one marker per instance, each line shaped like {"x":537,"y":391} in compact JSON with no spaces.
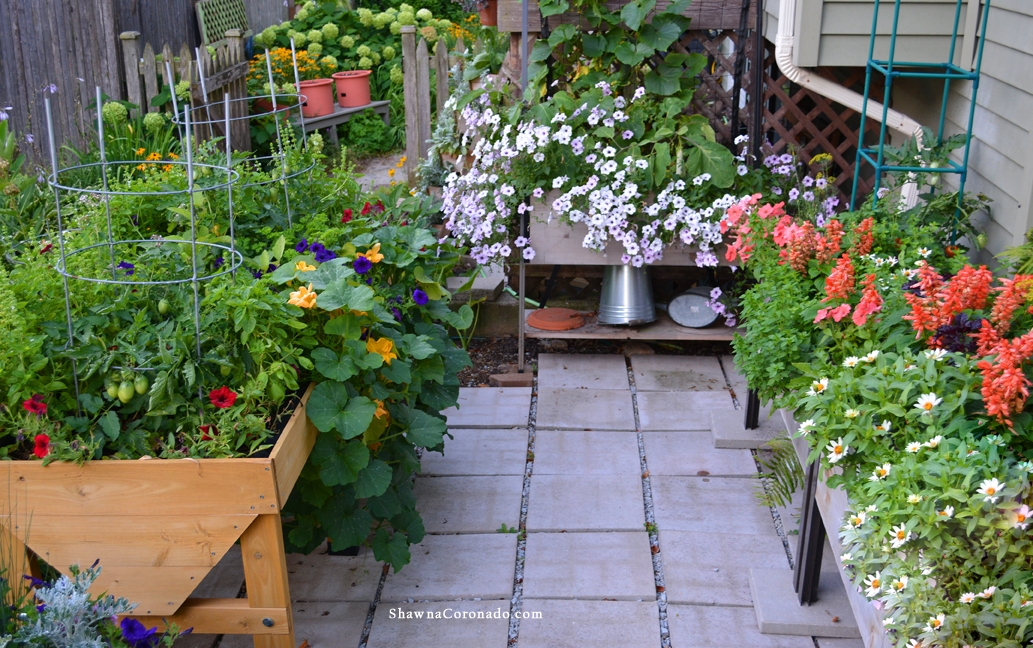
{"x":282,"y":106}
{"x":60,"y":182}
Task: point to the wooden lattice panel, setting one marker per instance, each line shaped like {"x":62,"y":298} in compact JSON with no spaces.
{"x":215,"y":17}
{"x":713,"y":97}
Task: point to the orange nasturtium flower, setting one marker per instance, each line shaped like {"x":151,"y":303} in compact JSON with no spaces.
{"x":384,"y":347}
{"x":381,"y":410}
{"x":374,"y":254}
{"x":301,"y":266}
{"x":304,"y":297}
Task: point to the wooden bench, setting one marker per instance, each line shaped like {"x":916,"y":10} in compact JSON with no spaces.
{"x":341,"y":115}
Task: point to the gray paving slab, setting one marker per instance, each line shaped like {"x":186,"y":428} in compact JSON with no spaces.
{"x":778,"y":612}
{"x":706,"y":503}
{"x":681,"y":411}
{"x":735,"y":377}
{"x":321,"y":624}
{"x":576,"y":624}
{"x":490,"y":407}
{"x":322,"y":577}
{"x":469,"y":504}
{"x":573,"y":452}
{"x":834,"y":642}
{"x":585,"y":503}
{"x":693,"y":453}
{"x":479,"y":452}
{"x":589,"y":566}
{"x":730,"y":432}
{"x":677,"y":373}
{"x":715,"y":626}
{"x":400,"y":625}
{"x":713,"y":568}
{"x":582,"y":371}
{"x":585,"y":409}
{"x":456,"y":566}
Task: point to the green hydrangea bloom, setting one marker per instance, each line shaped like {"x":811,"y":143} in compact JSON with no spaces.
{"x":429,"y":33}
{"x":396,"y":28}
{"x":299,"y":39}
{"x":406,"y":7}
{"x":183,"y":90}
{"x":315,"y":36}
{"x":330,"y":31}
{"x":315,"y":49}
{"x":443,"y":24}
{"x":329,"y":62}
{"x":347,"y":42}
{"x":396,"y":75}
{"x":363,"y":50}
{"x":407,"y":18}
{"x":153,"y":122}
{"x":424,"y":15}
{"x":365,"y":63}
{"x":381,"y":19}
{"x":388,"y":52}
{"x":391,"y":11}
{"x":114,"y":113}
{"x":376,"y":58}
{"x":301,"y":14}
{"x":365,"y":16}
{"x":285,"y":25}
{"x":268,"y":36}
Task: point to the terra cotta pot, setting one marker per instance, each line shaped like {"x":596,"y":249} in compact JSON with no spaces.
{"x":490,"y":15}
{"x":352,"y":88}
{"x":319,"y":97}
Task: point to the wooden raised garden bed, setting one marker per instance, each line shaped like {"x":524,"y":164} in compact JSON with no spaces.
{"x":158,"y":526}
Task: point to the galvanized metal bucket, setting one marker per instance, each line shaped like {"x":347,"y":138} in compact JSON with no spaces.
{"x":627,"y":297}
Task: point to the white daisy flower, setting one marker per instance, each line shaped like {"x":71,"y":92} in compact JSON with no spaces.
{"x":967,"y":597}
{"x":935,"y":623}
{"x":818,"y":387}
{"x":946,"y":514}
{"x":899,"y":535}
{"x":991,"y":488}
{"x":856,"y":520}
{"x":880,"y":472}
{"x":988,"y":592}
{"x":851,"y":413}
{"x":899,"y":584}
{"x":884,"y":426}
{"x":913,"y":447}
{"x":926,"y":402}
{"x":806,"y":426}
{"x":851,"y":362}
{"x":914,"y":499}
{"x":845,"y":558}
{"x":874,"y":584}
{"x":871,"y":356}
{"x":924,"y":252}
{"x":934,"y":442}
{"x":837,"y":450}
{"x":1020,"y":517}
{"x":935,"y":354}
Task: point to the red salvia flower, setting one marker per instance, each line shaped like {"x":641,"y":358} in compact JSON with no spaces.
{"x":222,"y":397}
{"x":840,"y":282}
{"x":1011,"y":298}
{"x":863,"y":239}
{"x":35,"y":405}
{"x":871,"y":302}
{"x":828,"y":245}
{"x":968,"y":290}
{"x":42,"y":445}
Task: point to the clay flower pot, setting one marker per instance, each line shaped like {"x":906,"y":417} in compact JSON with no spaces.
{"x":490,"y":15}
{"x":319,"y":97}
{"x":352,"y":88}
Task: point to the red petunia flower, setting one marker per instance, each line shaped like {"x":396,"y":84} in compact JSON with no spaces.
{"x":35,"y":405}
{"x":222,"y":397}
{"x":367,"y":208}
{"x":347,"y":215}
{"x":42,"y":448}
{"x":206,"y":429}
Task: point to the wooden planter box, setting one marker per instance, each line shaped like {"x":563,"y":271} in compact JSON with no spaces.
{"x":159,"y":526}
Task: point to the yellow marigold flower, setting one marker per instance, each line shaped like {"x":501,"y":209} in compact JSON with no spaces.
{"x":374,"y":254}
{"x":304,"y":297}
{"x":391,"y":172}
{"x":381,"y":410}
{"x":301,"y":266}
{"x":384,"y":347}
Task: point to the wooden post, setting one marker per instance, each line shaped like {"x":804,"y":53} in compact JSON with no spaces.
{"x":131,"y":57}
{"x":412,"y":127}
{"x":423,"y":97}
{"x":441,"y":73}
{"x":265,"y":573}
{"x":149,"y":69}
{"x":241,"y":130}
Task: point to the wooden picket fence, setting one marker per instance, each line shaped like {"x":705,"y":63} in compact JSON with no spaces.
{"x":224,"y":74}
{"x":416,"y":66}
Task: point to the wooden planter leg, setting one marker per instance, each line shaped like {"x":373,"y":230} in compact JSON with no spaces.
{"x":265,"y":572}
{"x":19,"y":561}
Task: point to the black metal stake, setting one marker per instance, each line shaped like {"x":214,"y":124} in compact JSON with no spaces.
{"x":812,"y":541}
{"x":752,"y":419}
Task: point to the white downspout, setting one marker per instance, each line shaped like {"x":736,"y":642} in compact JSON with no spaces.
{"x":895,"y":120}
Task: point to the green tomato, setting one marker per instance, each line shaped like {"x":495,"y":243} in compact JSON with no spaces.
{"x":126,"y":391}
{"x":112,"y":390}
{"x":163,"y":307}
{"x":225,"y":371}
{"x":141,"y":385}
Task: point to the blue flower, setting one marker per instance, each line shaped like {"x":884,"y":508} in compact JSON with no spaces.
{"x":362,"y":265}
{"x":316,"y":248}
{"x":128,"y":267}
{"x":301,"y":246}
{"x":135,"y":634}
{"x":219,"y":261}
{"x":271,"y":268}
{"x":420,"y":297}
{"x":323,"y":255}
{"x":397,"y":313}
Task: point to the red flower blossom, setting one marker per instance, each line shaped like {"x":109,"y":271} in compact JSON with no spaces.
{"x":366,"y":209}
{"x":836,"y":314}
{"x":1005,"y":385}
{"x":871,"y":302}
{"x":347,"y":215}
{"x":42,"y":448}
{"x":35,"y":405}
{"x":772,"y":211}
{"x":828,"y":246}
{"x":1012,"y":297}
{"x":840,"y":282}
{"x":863,"y":239}
{"x":222,"y":397}
{"x":206,"y":428}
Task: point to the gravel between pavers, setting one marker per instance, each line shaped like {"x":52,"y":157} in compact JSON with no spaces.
{"x":517,"y":602}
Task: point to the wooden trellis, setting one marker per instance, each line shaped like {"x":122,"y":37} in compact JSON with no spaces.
{"x":712,"y":97}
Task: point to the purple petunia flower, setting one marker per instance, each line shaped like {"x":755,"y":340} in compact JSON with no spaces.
{"x":301,"y":246}
{"x":135,"y":634}
{"x":420,"y":297}
{"x":362,"y":265}
{"x":218,"y":262}
{"x":628,"y":134}
{"x":128,"y":267}
{"x":322,"y":254}
{"x":794,"y":193}
{"x":397,"y":313}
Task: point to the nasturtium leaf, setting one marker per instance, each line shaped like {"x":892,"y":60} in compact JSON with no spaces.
{"x":411,"y":523}
{"x":553,"y":7}
{"x":593,"y":45}
{"x":397,"y":372}
{"x":373,"y":480}
{"x":417,"y":346}
{"x":439,"y":397}
{"x":328,"y":273}
{"x":425,"y":430}
{"x":540,"y":52}
{"x":346,"y":528}
{"x":333,"y":367}
{"x":561,"y":34}
{"x":360,"y":298}
{"x":330,"y":408}
{"x":385,"y":506}
{"x":345,"y":325}
{"x":334,"y":296}
{"x":392,"y":549}
{"x":635,"y":12}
